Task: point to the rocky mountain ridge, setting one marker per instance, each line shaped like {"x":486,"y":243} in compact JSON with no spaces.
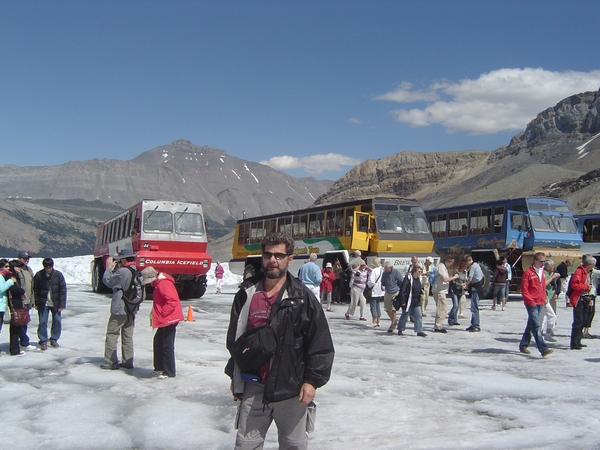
{"x":557,"y":155}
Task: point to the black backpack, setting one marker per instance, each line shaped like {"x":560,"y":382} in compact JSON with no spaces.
{"x":133,"y":296}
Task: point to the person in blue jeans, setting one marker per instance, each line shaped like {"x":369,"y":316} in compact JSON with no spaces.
{"x":475,"y":285}
{"x":410,"y":298}
{"x":533,"y":291}
{"x":50,"y":291}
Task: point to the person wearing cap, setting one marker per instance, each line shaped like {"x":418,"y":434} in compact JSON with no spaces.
{"x":26,"y":282}
{"x":50,"y":293}
{"x":166,"y":314}
{"x":328,"y":277}
{"x":121,"y":321}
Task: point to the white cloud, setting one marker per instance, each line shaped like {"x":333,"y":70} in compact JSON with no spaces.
{"x":315,"y":164}
{"x":504,"y":99}
{"x":353,"y":120}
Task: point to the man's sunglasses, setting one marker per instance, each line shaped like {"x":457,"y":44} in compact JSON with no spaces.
{"x":278,"y":256}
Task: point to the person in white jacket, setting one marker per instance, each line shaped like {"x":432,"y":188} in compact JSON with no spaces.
{"x":377,"y":293}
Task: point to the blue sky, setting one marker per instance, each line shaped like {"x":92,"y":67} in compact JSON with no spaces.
{"x":310,"y":87}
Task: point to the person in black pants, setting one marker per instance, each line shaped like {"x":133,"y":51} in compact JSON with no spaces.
{"x":15,"y":296}
{"x":580,"y":287}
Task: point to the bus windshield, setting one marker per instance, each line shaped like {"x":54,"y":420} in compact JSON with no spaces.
{"x":158,"y":221}
{"x":389,"y":224}
{"x":564,"y":224}
{"x":415,"y":225}
{"x":540,"y":222}
{"x":189,"y":223}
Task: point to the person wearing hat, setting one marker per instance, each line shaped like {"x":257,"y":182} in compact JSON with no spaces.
{"x":26,"y":282}
{"x":50,"y":293}
{"x":328,"y":277}
{"x":121,"y":321}
{"x":166,"y":314}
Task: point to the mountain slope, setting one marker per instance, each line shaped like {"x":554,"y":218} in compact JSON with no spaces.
{"x":557,"y":155}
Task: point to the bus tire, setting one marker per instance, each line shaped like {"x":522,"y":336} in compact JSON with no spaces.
{"x":193,"y":288}
{"x":487,"y":276}
{"x":97,"y":284}
{"x":249,"y":271}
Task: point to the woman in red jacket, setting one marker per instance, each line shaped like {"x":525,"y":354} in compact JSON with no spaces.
{"x":579,"y":285}
{"x":166,"y":314}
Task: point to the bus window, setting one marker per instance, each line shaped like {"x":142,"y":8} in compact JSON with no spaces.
{"x":189,"y":223}
{"x":564,"y":224}
{"x":457,"y":223}
{"x":389,"y":224}
{"x":270,"y":226}
{"x":437,"y":224}
{"x":415,"y":225}
{"x":158,"y":222}
{"x":516,"y":222}
{"x":335,"y":221}
{"x":299,"y":227}
{"x":244,"y":234}
{"x":135,"y":223}
{"x":363,"y":223}
{"x":284,"y":225}
{"x":315,"y":225}
{"x":591,"y":230}
{"x":541,"y":222}
{"x":498,"y":218}
{"x":480,"y":221}
{"x":349,"y":221}
{"x":256,"y":231}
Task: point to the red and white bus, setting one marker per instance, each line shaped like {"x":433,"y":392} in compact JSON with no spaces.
{"x":167,"y":235}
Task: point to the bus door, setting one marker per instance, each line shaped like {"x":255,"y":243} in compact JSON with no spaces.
{"x":515,"y":229}
{"x":360,"y":231}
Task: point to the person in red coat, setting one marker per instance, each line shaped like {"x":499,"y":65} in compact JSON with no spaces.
{"x":579,"y":285}
{"x":166,"y":314}
{"x":327,"y":285}
{"x":533,"y":291}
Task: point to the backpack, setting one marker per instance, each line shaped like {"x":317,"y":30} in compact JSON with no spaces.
{"x":432,"y":275}
{"x":133,"y":296}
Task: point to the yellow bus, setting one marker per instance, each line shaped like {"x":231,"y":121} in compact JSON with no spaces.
{"x":391,"y":228}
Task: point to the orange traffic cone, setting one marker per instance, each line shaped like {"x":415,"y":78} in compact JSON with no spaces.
{"x":190,"y":314}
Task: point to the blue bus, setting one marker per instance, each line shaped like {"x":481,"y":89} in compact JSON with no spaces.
{"x":515,"y":228}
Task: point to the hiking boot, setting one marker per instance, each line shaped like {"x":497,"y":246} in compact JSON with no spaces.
{"x":525,"y":350}
{"x":547,"y":352}
{"x":113,"y":366}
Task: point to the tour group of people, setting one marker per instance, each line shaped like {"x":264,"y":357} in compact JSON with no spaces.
{"x":23,"y":290}
{"x":405,"y":294}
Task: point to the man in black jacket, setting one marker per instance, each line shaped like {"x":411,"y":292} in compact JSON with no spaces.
{"x":50,"y":291}
{"x":282,"y":389}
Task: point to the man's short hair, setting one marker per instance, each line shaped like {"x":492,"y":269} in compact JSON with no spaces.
{"x":387,"y":264}
{"x":313,"y":257}
{"x":48,"y":262}
{"x":589,"y":260}
{"x":277,"y":238}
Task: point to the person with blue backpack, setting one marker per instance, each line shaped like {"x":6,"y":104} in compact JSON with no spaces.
{"x":119,"y":277}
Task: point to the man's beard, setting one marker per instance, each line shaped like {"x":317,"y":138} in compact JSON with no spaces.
{"x":274,"y":273}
